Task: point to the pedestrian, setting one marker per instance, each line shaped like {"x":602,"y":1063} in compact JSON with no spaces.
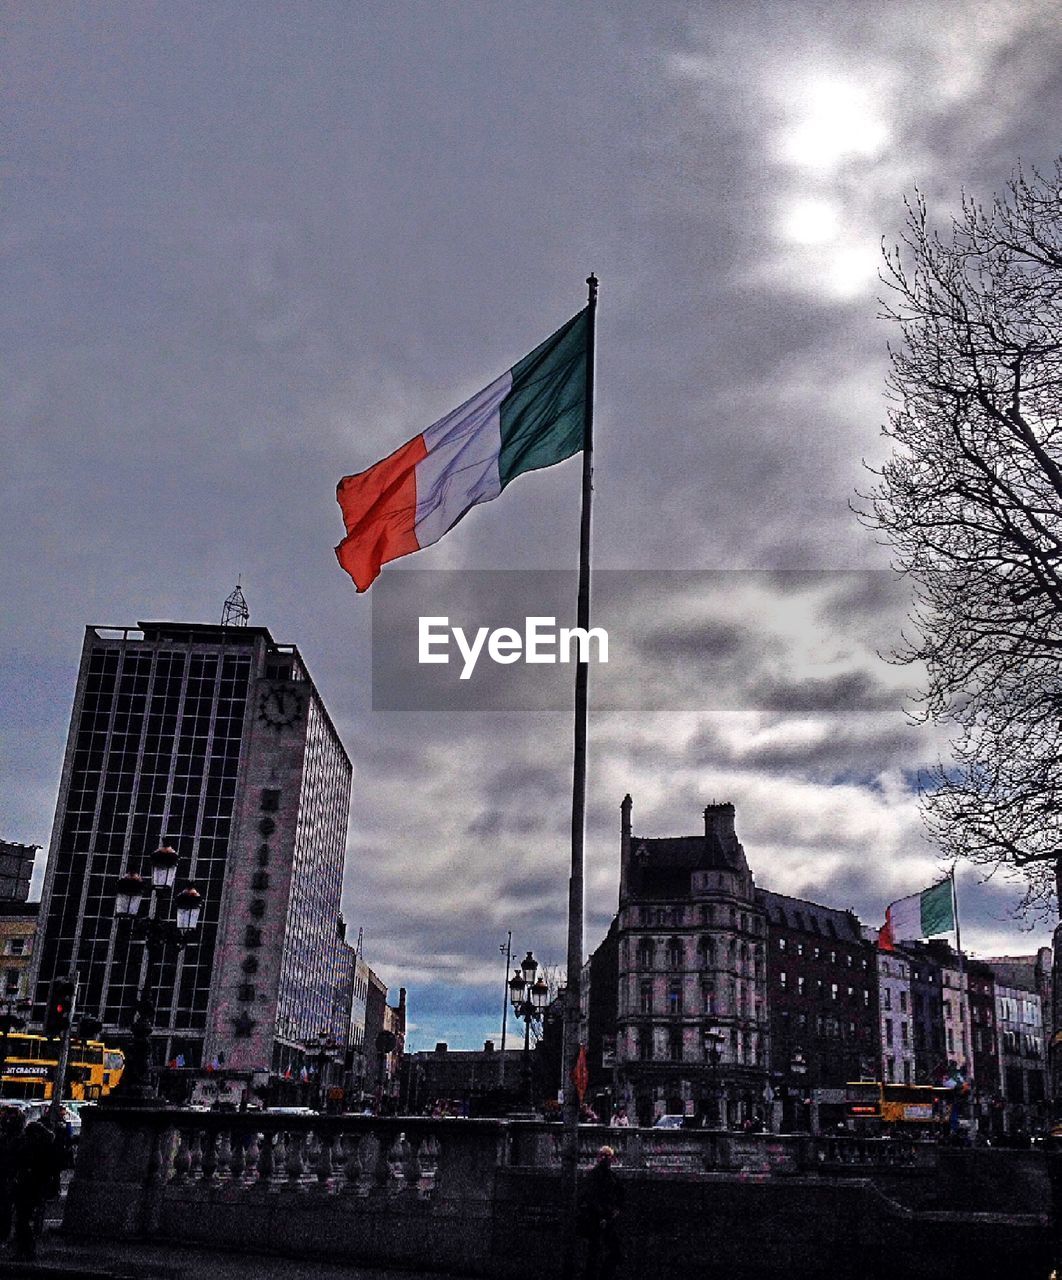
{"x":35,"y":1178}
{"x":599,"y":1209}
{"x":12,"y":1123}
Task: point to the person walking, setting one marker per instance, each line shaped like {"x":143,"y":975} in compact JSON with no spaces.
{"x":599,"y":1210}
{"x":12,"y":1123}
{"x":35,"y":1177}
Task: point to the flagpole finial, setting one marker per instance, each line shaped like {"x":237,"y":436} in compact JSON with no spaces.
{"x":591,"y":285}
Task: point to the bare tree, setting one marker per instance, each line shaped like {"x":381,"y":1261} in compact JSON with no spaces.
{"x":971,"y":502}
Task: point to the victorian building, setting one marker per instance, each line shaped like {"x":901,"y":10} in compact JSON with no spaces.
{"x":822,"y":997}
{"x":691,"y":975}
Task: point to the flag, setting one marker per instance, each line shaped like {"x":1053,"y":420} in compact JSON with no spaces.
{"x":287,"y":1074}
{"x":531,"y":417}
{"x":580,"y":1074}
{"x":920,"y":916}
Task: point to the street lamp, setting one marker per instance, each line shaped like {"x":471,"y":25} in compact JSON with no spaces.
{"x":12,"y":1018}
{"x":798,"y":1067}
{"x":528,"y":995}
{"x":714,"y":1038}
{"x":324,"y":1046}
{"x":155,"y":933}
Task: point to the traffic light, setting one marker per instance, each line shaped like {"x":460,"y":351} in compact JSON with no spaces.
{"x":60,"y":1006}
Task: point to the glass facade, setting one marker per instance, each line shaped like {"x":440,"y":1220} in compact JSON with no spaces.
{"x":164,"y":734}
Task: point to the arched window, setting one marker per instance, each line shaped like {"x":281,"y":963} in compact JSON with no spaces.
{"x":675,"y":954}
{"x":705,"y":952}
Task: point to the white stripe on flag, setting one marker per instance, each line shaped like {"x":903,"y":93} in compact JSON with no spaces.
{"x":461,"y":468}
{"x":905,"y":917}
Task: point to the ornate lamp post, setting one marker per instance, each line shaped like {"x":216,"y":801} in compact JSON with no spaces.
{"x":714,"y":1039}
{"x":528,"y":996}
{"x":324,"y":1046}
{"x":155,"y":932}
{"x":798,"y":1069}
{"x":12,"y":1018}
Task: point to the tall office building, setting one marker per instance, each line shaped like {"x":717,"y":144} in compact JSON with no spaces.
{"x":212,"y":739}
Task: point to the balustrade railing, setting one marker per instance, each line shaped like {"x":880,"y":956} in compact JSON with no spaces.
{"x":418,"y":1157}
{"x":276,"y":1153}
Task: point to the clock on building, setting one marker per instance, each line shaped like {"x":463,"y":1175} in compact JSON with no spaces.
{"x":280,"y":705}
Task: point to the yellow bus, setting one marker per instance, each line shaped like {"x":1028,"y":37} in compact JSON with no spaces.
{"x":873,"y":1104}
{"x":30,"y":1061}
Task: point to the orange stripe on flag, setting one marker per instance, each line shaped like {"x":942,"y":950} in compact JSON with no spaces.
{"x":379,"y":510}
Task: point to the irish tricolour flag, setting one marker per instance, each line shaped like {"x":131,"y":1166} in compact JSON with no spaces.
{"x":531,"y":417}
{"x":920,"y":916}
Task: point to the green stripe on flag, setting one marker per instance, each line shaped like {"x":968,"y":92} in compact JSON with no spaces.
{"x":938,"y":909}
{"x":542,"y":417}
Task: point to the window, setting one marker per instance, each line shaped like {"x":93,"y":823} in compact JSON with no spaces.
{"x":645,"y":954}
{"x":782,"y":979}
{"x":886,"y":998}
{"x":674,"y":954}
{"x":645,"y":997}
{"x":890,"y":1069}
{"x":781,"y":944}
{"x":800,"y":948}
{"x":674,"y":1044}
{"x":674,"y":997}
{"x":270,"y":800}
{"x":708,"y":994}
{"x":888,"y":1031}
{"x":833,"y":957}
{"x":15,"y":947}
{"x":904,"y":1036}
{"x":645,"y":1045}
{"x":833,"y":990}
{"x":817,"y":953}
{"x":800,"y":986}
{"x":903,"y":1001}
{"x":866,"y":998}
{"x":11,"y":982}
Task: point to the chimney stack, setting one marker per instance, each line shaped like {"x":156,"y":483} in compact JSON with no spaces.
{"x":719,"y":822}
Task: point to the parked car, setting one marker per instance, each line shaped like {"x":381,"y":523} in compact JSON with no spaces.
{"x":31,"y":1108}
{"x":670,"y":1122}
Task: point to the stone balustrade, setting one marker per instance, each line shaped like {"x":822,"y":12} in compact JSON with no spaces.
{"x":449,"y":1194}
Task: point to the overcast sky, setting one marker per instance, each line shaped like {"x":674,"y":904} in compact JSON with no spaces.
{"x":251,"y":248}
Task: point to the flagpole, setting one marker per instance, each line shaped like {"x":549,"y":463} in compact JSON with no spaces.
{"x":965,"y":1027}
{"x":570,"y":1146}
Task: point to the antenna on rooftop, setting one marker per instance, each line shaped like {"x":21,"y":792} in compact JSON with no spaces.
{"x":235,"y":613}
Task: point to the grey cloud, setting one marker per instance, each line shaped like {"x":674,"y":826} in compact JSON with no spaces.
{"x":301,"y":236}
